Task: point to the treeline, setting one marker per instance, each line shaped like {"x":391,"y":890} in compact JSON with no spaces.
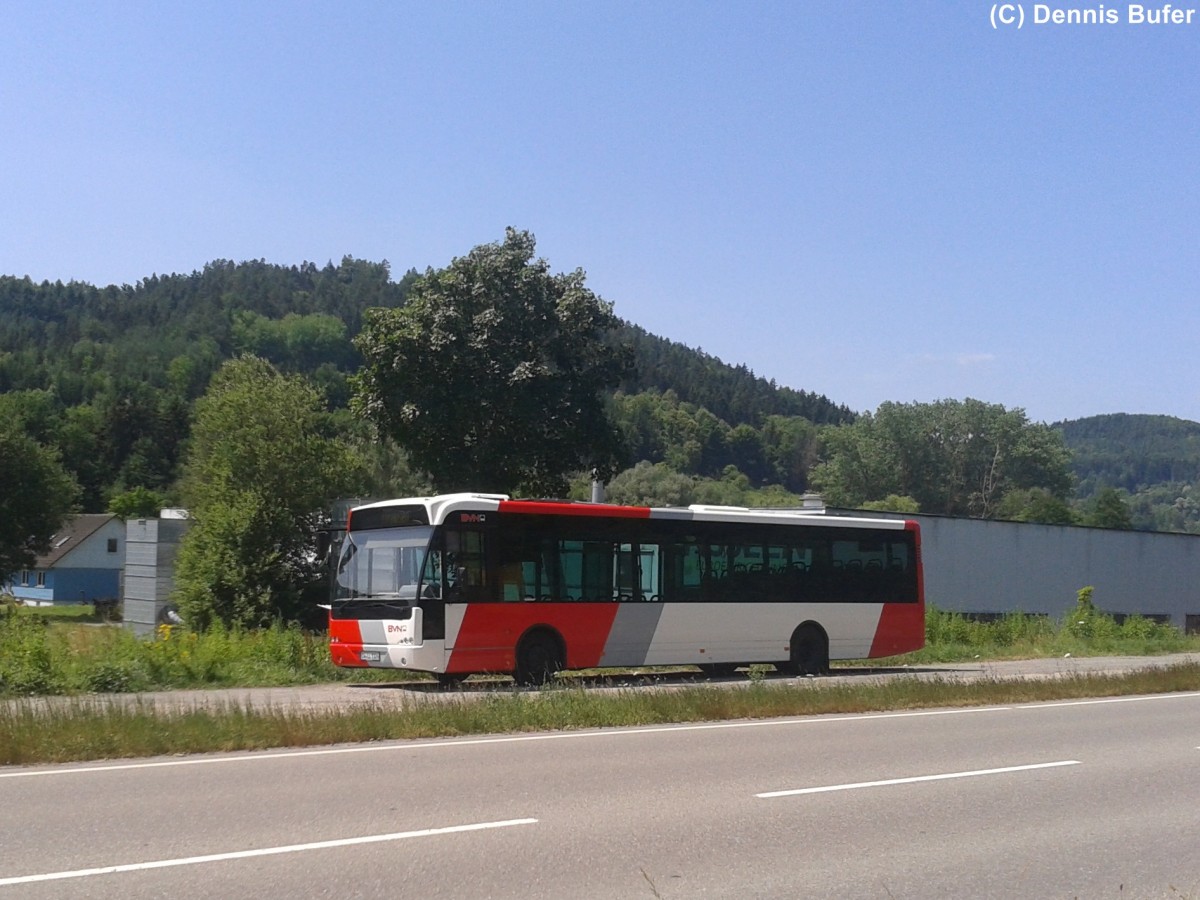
{"x":1132,"y":452}
{"x":1154,"y":461}
{"x":733,"y":394}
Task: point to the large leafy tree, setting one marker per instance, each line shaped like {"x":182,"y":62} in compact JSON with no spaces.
{"x":492,"y":376}
{"x":953,"y":457}
{"x":1109,"y":510}
{"x":649,"y":484}
{"x":1035,"y":505}
{"x":259,"y":474}
{"x":35,"y":497}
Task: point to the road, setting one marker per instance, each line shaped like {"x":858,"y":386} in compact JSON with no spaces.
{"x":1089,"y":799}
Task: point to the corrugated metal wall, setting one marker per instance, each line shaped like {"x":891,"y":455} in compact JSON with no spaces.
{"x":980,"y":566}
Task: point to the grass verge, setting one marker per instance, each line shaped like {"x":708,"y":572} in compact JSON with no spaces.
{"x":78,"y":729}
{"x":50,"y":650}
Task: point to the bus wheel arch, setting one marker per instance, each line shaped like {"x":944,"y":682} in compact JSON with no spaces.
{"x":809,"y":650}
{"x":540,"y":654}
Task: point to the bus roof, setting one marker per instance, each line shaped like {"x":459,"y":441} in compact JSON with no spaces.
{"x":439,"y":507}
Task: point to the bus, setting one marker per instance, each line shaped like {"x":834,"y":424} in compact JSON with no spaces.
{"x":464,"y":584}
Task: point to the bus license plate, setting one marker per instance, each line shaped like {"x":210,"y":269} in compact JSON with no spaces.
{"x":371,"y":656}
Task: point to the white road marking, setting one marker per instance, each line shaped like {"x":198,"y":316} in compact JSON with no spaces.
{"x":264,"y":851}
{"x":1057,"y":703}
{"x":915,"y":779}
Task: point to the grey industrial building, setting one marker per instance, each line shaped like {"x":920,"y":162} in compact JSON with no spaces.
{"x":983,"y":567}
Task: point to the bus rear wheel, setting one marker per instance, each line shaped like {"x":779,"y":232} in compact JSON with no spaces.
{"x":539,"y":657}
{"x":810,"y":651}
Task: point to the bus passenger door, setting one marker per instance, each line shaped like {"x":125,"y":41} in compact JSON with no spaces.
{"x":466,"y":564}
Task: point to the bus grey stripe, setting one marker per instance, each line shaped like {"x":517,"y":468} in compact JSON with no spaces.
{"x":632,"y":633}
{"x":372,"y":632}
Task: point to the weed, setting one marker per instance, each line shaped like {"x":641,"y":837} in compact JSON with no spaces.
{"x":758,"y":673}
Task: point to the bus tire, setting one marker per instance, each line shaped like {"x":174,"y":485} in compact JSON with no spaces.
{"x":810,"y":651}
{"x":539,"y":657}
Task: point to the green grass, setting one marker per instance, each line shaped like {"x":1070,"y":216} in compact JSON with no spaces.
{"x":952,"y":637}
{"x":75,"y":612}
{"x":81,"y":728}
{"x":59,"y":650}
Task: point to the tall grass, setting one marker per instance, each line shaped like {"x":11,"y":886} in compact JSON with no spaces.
{"x":1082,"y":631}
{"x":41,"y":655}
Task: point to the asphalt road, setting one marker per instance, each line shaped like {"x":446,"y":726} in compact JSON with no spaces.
{"x":1090,"y":799}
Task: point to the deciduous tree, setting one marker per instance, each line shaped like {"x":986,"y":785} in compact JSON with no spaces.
{"x":35,"y":497}
{"x":1035,"y":505}
{"x":492,"y":376}
{"x":952,"y":457}
{"x":259,"y":475}
{"x":1109,"y":510}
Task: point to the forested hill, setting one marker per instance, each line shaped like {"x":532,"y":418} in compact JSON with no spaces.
{"x":732,"y":393}
{"x":1132,"y":452}
{"x":109,"y":374}
{"x":54,"y":317}
{"x":57,"y":335}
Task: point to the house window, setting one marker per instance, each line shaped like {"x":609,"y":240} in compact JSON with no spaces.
{"x":112,"y":545}
{"x":24,"y":577}
{"x":41,"y":579}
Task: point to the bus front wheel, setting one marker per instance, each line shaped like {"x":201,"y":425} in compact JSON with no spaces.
{"x":810,"y":651}
{"x":539,"y":657}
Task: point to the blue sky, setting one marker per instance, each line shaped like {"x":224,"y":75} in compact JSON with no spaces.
{"x":872,"y":201}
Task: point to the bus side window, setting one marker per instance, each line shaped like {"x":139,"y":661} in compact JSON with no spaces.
{"x":626,"y":573}
{"x":597,"y":570}
{"x":511,"y":556}
{"x":465,"y":565}
{"x":650,"y":572}
{"x":683,"y":572}
{"x":527,"y":567}
{"x":512,"y":581}
{"x":716,"y":586}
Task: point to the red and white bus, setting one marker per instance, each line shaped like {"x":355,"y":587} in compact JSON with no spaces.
{"x":472,"y":583}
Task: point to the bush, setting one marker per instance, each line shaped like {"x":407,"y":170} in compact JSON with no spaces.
{"x":1081,"y":631}
{"x":26,"y":661}
{"x":115,"y":677}
{"x":39,"y":656}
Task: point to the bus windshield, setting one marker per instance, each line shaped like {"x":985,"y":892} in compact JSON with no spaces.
{"x":382,"y":564}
